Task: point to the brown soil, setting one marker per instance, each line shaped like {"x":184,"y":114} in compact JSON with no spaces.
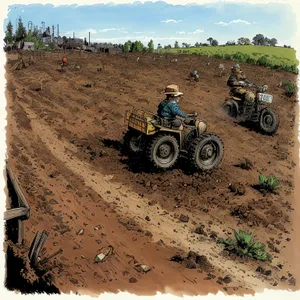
{"x":63,"y":142}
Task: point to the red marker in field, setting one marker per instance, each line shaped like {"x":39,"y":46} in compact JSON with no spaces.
{"x":63,"y":60}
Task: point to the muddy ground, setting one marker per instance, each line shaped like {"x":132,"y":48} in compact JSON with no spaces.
{"x":63,"y":143}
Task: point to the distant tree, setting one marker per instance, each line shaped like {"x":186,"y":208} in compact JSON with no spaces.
{"x":267,"y":41}
{"x":210,"y":39}
{"x":151,"y":46}
{"x":273,"y":42}
{"x":85,"y":42}
{"x":126,"y":47}
{"x":241,"y":41}
{"x":259,"y":39}
{"x":35,"y":31}
{"x":247,"y":41}
{"x":137,"y":46}
{"x":159,"y":47}
{"x":21,"y":30}
{"x":176,"y":45}
{"x":214,"y":43}
{"x":230,"y":43}
{"x":204,"y":45}
{"x":9,"y":36}
{"x":197,"y":45}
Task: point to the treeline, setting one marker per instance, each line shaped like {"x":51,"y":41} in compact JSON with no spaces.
{"x":137,"y":46}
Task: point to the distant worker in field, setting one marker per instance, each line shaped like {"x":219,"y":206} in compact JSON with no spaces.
{"x":238,"y":82}
{"x":194,"y":76}
{"x":169,"y":109}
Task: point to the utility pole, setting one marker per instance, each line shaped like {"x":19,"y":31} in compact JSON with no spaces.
{"x":43,"y":27}
{"x":29,"y":26}
{"x":73,"y":35}
{"x":57,"y":30}
{"x":89,"y":38}
{"x":52,"y":36}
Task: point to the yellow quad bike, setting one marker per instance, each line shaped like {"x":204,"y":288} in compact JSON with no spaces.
{"x":161,"y":143}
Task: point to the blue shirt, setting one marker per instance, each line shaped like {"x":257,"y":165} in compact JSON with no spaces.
{"x":170,"y":110}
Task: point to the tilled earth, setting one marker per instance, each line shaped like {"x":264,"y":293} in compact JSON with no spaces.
{"x":64,"y":135}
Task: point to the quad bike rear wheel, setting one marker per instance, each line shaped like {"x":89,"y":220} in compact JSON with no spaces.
{"x":206,"y":152}
{"x":268,"y":121}
{"x":231,"y":108}
{"x":163,"y":151}
{"x":133,"y":142}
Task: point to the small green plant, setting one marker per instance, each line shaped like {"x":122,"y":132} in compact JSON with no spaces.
{"x":289,"y":87}
{"x":244,"y":246}
{"x":269,"y":183}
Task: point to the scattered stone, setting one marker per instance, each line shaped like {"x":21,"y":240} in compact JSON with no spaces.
{"x":148,"y":184}
{"x":209,"y":276}
{"x":237,"y":188}
{"x":260,"y":269}
{"x":280,"y":266}
{"x":275,"y":283}
{"x":74,"y":281}
{"x":53,"y":201}
{"x":200,"y":230}
{"x":292,"y":281}
{"x":268,"y":272}
{"x":142,"y":268}
{"x":227,"y":279}
{"x":154,"y":188}
{"x":132,"y":280}
{"x":147,"y":218}
{"x":148,"y":233}
{"x":289,"y":274}
{"x":283,"y":278}
{"x":288,"y":239}
{"x":184,"y":218}
{"x":104,"y":252}
{"x":80,"y":232}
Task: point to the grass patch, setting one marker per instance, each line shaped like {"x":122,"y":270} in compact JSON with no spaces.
{"x":289,"y":87}
{"x":243,"y":245}
{"x":269,"y":183}
{"x":272,"y":57}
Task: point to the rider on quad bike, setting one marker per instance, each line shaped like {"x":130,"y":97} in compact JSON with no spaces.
{"x":169,"y":109}
{"x":238,"y":81}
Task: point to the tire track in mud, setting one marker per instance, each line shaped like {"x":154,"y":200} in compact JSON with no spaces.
{"x":134,"y":206}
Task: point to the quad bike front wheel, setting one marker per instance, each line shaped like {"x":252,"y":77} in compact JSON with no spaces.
{"x":268,"y":121}
{"x":206,"y":152}
{"x":163,"y":151}
{"x":133,"y":142}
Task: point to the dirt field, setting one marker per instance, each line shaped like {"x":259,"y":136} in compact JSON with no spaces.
{"x":63,"y":143}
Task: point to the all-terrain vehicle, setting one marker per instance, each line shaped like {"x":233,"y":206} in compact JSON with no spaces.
{"x":162,"y":143}
{"x":260,"y":113}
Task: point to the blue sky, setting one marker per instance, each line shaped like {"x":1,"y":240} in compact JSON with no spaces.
{"x":162,"y":22}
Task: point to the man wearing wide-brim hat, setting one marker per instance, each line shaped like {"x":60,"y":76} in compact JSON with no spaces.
{"x":169,"y":108}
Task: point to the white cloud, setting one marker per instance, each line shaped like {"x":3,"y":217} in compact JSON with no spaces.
{"x":196,"y":31}
{"x":234,"y":22}
{"x":111,"y":29}
{"x":193,"y":32}
{"x":171,"y":21}
{"x":138,"y":32}
{"x":22,"y":10}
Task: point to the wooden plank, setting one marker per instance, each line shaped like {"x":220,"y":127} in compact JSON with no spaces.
{"x":22,"y":199}
{"x":15,"y":213}
{"x":36,"y":247}
{"x":20,"y":232}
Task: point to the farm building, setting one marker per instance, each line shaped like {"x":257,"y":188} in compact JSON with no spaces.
{"x":107,"y":47}
{"x":28,"y":46}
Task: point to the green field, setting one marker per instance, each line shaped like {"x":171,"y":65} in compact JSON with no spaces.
{"x":274,"y":57}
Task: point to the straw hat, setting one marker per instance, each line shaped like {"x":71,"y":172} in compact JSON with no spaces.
{"x":173,"y":89}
